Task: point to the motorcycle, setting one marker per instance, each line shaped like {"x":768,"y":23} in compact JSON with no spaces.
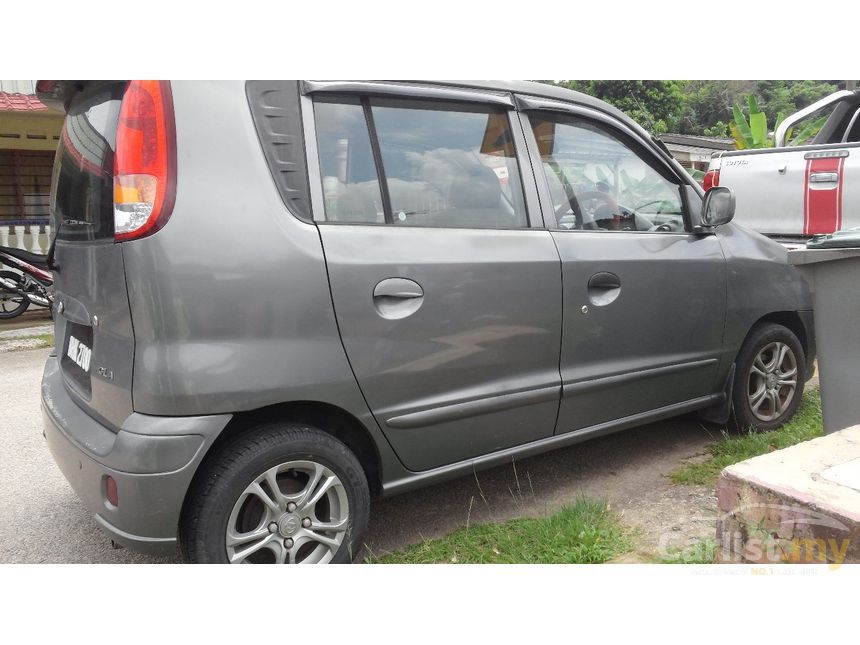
{"x":34,"y":285}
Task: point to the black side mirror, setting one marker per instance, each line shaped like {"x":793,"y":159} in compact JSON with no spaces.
{"x":719,"y":206}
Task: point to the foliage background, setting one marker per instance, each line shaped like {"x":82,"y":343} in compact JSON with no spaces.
{"x":699,"y":107}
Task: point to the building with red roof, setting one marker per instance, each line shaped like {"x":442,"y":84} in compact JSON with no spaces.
{"x":29,"y":135}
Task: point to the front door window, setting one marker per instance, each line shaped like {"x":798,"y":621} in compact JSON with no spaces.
{"x":598,"y":182}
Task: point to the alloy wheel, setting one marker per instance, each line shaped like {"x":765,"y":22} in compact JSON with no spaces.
{"x":772,"y":381}
{"x":296,"y":512}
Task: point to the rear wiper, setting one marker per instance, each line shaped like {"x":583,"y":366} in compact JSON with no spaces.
{"x":49,"y":259}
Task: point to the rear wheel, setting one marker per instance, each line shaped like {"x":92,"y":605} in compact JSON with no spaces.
{"x":768,"y":378}
{"x":12,"y":304}
{"x":282,"y":494}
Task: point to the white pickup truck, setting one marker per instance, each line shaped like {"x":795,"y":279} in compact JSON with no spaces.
{"x":800,"y":187}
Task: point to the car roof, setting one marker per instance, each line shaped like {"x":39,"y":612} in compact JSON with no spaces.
{"x":546,"y":90}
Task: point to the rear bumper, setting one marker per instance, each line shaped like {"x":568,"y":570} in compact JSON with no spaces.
{"x":152,"y":459}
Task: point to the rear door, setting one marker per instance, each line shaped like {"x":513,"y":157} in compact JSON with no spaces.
{"x":93,"y":325}
{"x":447,"y":297}
{"x":644,"y":298}
{"x":768,"y":189}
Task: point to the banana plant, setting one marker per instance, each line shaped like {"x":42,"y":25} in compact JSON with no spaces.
{"x":698,"y":175}
{"x":753,"y":133}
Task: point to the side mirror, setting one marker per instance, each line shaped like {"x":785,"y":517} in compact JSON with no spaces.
{"x":718,"y":207}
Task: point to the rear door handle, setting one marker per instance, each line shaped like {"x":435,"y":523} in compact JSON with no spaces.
{"x":396,"y":298}
{"x":398,"y":288}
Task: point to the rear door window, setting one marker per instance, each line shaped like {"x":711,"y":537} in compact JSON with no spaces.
{"x":429,"y":164}
{"x":350,"y":180}
{"x":82,"y":190}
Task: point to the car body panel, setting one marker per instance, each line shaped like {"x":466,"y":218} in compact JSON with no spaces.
{"x":760,"y":282}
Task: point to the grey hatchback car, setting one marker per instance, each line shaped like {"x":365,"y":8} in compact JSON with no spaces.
{"x":277,"y":300}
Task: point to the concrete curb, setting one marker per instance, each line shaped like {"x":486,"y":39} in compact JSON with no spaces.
{"x":799,"y":504}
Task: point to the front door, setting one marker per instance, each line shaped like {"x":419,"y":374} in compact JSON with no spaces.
{"x":644,"y":298}
{"x":447,"y":300}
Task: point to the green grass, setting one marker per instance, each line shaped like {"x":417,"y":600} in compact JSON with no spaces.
{"x":45,"y":340}
{"x":733,"y":448}
{"x":585,"y":533}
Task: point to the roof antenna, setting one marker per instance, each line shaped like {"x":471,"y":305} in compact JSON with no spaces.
{"x":653,"y":125}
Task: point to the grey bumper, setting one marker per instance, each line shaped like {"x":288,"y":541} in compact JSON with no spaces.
{"x":152,"y":459}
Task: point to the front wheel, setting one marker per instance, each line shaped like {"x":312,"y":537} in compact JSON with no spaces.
{"x":12,"y":304}
{"x":768,"y":378}
{"x":280,"y":494}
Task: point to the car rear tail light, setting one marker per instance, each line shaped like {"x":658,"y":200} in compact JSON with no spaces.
{"x":145,"y":161}
{"x":711,"y":179}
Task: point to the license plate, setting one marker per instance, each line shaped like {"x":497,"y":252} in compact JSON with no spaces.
{"x":77,"y":355}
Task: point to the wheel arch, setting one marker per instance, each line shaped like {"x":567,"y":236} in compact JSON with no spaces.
{"x":801,"y":329}
{"x":326,"y":417}
{"x":792,"y":321}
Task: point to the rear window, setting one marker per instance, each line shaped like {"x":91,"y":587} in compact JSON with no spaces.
{"x":805,"y":131}
{"x":82,"y":191}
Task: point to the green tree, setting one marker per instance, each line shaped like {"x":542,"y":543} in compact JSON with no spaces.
{"x":708,"y":105}
{"x":699,"y":106}
{"x":656,"y":105}
{"x":790,"y":96}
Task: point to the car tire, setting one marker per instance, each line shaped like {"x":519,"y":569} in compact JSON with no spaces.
{"x":769,"y":378}
{"x":13,"y":304}
{"x":318,"y":514}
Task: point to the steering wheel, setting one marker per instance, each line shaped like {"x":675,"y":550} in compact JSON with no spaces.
{"x":604,"y":197}
{"x":653,"y":201}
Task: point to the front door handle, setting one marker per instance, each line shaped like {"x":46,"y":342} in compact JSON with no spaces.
{"x":603,"y":288}
{"x":604,"y":280}
{"x":396,"y":298}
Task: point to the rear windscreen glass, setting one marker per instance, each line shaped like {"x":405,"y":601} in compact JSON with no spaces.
{"x":82,"y":205}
